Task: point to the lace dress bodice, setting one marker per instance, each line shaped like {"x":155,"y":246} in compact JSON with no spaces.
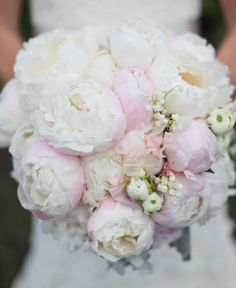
{"x":180,"y":15}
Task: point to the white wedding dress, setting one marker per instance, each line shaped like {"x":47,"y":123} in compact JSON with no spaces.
{"x":213,"y":261}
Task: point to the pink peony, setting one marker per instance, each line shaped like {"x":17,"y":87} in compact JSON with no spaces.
{"x":154,"y":145}
{"x":188,"y":205}
{"x":133,"y":89}
{"x":51,"y":183}
{"x":137,"y":158}
{"x":107,"y":173}
{"x":194,"y":148}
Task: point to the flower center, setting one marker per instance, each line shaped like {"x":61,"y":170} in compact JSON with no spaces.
{"x":192,"y":79}
{"x":78,"y":103}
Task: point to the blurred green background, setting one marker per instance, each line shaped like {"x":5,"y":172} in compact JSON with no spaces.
{"x":15,"y":221}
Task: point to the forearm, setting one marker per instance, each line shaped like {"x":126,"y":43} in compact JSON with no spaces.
{"x":226,"y":53}
{"x":10,"y":43}
{"x":229,"y":10}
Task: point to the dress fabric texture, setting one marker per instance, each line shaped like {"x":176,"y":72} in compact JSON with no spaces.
{"x":47,"y":265}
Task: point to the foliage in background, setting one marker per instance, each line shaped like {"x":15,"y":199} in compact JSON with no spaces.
{"x":212,"y":22}
{"x":25,"y":26}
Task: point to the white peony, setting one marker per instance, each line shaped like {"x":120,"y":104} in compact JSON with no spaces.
{"x":137,"y":43}
{"x":51,"y":183}
{"x":220,"y":180}
{"x":119,"y":230}
{"x":102,"y":68}
{"x":12,"y":111}
{"x":192,"y":88}
{"x":52,"y":58}
{"x":103,"y":174}
{"x":54,"y":49}
{"x":25,"y":134}
{"x":71,"y":230}
{"x":194,"y":44}
{"x":81,"y":119}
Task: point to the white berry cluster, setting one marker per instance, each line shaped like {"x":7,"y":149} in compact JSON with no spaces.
{"x":174,"y":123}
{"x":159,"y":113}
{"x":161,"y":120}
{"x":167,"y":184}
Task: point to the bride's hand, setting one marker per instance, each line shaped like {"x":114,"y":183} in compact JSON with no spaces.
{"x":227,"y":50}
{"x":227,"y":55}
{"x":10,"y":41}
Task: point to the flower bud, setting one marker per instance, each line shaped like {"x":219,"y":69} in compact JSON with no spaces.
{"x":139,"y":189}
{"x":153,"y":203}
{"x":221,"y":120}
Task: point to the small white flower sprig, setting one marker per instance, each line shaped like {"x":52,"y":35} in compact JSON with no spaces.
{"x":167,"y":182}
{"x":142,"y":190}
{"x":161,"y":119}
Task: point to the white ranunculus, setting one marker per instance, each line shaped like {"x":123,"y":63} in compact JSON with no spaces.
{"x":71,"y":230}
{"x":102,"y":68}
{"x":221,"y":120}
{"x":81,"y":119}
{"x":103,"y":173}
{"x":118,"y":230}
{"x":138,"y":188}
{"x":192,"y":88}
{"x":220,"y":180}
{"x":11,"y":111}
{"x":153,"y":203}
{"x":137,"y":43}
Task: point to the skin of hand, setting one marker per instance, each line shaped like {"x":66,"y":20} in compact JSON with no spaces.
{"x":9,"y":48}
{"x":10,"y":40}
{"x":227,"y":54}
{"x":227,"y":51}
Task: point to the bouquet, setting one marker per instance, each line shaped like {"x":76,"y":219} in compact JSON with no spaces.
{"x":119,"y":140}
